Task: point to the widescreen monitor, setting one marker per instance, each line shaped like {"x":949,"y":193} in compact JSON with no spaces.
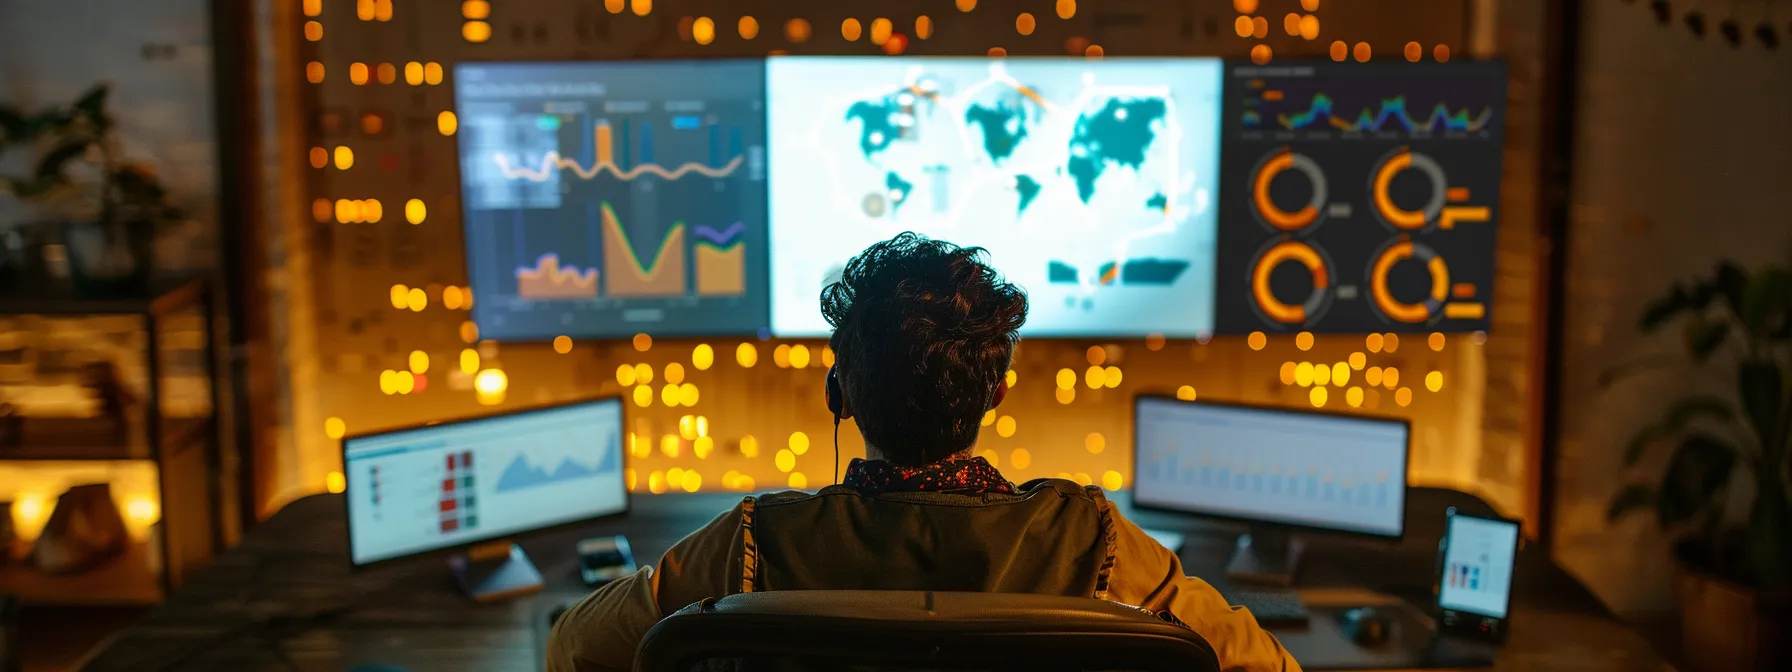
{"x":456,"y":483}
{"x":606,"y":199}
{"x":1091,"y":182}
{"x":1283,"y":467}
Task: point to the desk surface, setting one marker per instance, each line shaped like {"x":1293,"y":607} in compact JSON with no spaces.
{"x":286,"y":599}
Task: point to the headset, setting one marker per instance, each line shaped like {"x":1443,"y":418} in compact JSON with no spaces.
{"x":836,"y":405}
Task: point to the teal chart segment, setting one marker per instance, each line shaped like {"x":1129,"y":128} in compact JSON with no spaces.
{"x":1091,"y":183}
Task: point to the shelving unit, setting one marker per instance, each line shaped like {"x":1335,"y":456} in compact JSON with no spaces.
{"x":183,"y":449}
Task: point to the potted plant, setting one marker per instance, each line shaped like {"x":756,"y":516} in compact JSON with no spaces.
{"x":1725,"y":497}
{"x":111,"y":207}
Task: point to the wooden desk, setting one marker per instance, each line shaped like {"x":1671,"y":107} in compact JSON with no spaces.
{"x":285,"y":599}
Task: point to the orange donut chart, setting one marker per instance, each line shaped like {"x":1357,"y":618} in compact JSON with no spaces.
{"x":1274,"y":216}
{"x":1274,"y":308}
{"x":1410,"y":313}
{"x":1396,"y":216}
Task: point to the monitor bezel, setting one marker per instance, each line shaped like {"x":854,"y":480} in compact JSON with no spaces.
{"x":452,"y":84}
{"x":621,"y":475}
{"x":1406,"y":487}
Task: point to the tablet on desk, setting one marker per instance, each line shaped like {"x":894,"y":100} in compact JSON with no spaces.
{"x":1474,"y":584}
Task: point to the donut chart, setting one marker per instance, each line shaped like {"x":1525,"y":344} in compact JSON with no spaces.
{"x":1265,"y":207}
{"x":1400,"y":311}
{"x":1395,"y":216}
{"x":1273,"y":308}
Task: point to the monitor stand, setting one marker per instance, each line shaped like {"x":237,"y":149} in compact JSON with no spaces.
{"x":1265,"y":556}
{"x":495,"y":571}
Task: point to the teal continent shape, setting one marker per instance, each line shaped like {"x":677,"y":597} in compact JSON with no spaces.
{"x":1003,"y":128}
{"x":1120,"y":133}
{"x":877,"y":126}
{"x":1028,"y":188}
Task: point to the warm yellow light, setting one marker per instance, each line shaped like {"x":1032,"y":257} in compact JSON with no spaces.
{"x":1065,"y":395}
{"x":1372,"y":376}
{"x":314,"y":31}
{"x":827,"y":357}
{"x":357,"y":73}
{"x":880,"y":30}
{"x":1390,"y":343}
{"x":749,"y":446}
{"x":1403,"y":396}
{"x":643,"y":396}
{"x":478,"y":10}
{"x":850,"y":29}
{"x":414,"y":211}
{"x":1245,"y":6}
{"x":1373,"y":342}
{"x":799,"y":356}
{"x":1096,"y":355}
{"x":1340,"y":50}
{"x":314,"y":72}
{"x":630,"y":478}
{"x":1441,"y":53}
{"x":1095,"y":443}
{"x":1111,"y":377}
{"x":641,"y":7}
{"x":1094,"y":51}
{"x":1310,"y":5}
{"x":1436,"y":341}
{"x":491,"y":382}
{"x":1354,"y":397}
{"x":1340,"y":374}
{"x":335,"y":428}
{"x":797,"y":30}
{"x":746,"y":355}
{"x":364,"y":9}
{"x":989,"y":417}
{"x":1304,"y":340}
{"x":469,"y":332}
{"x":469,"y":361}
{"x":643,"y":373}
{"x":1257,"y":340}
{"x":703,"y":356}
{"x":1112,"y":480}
{"x":614,"y":6}
{"x":562,"y":344}
{"x":1303,"y":374}
{"x":692,"y":480}
{"x":784,"y":460}
{"x":451,"y":296}
{"x":401,"y":296}
{"x":687,"y":394}
{"x":1317,"y":395}
{"x":476,"y":31}
{"x":1185,"y":393}
{"x":418,"y":300}
{"x":1260,"y":28}
{"x":1066,"y":379}
{"x":798,"y":481}
{"x":1020,"y":458}
{"x":1066,"y":9}
{"x":1242,"y":26}
{"x":382,"y":10}
{"x":419,"y":361}
{"x":997,"y":52}
{"x":1362,"y":52}
{"x":345,"y":158}
{"x":781,"y":356}
{"x":1357,"y":360}
{"x":335,"y":482}
{"x":1286,"y":373}
{"x":432,"y":73}
{"x":703,"y":30}
{"x":1082,"y":479}
{"x":799,"y":443}
{"x":625,"y":375}
{"x":388,"y":382}
{"x":30,"y":511}
{"x":1011,"y":378}
{"x":1005,"y":426}
{"x":991,"y":457}
{"x":1291,"y":23}
{"x":386,"y":73}
{"x":1309,"y":27}
{"x":966,"y":5}
{"x":1434,"y":381}
{"x":407,"y":382}
{"x":687,"y":426}
{"x":1095,"y":377}
{"x":413,"y":73}
{"x":1322,"y":374}
{"x":702,"y":426}
{"x":923,"y":27}
{"x":1261,"y":53}
{"x":669,"y":394}
{"x":656,"y":482}
{"x":314,"y":7}
{"x":446,"y":123}
{"x":674,"y":373}
{"x":1413,"y":52}
{"x":1390,"y":377}
{"x":372,"y":211}
{"x":669,"y":446}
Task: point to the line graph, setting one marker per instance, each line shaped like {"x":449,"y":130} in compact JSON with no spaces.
{"x":604,"y":146}
{"x":548,"y":280}
{"x":1323,"y":108}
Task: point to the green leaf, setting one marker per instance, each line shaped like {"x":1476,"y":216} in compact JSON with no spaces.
{"x":29,"y":188}
{"x":1633,"y":497}
{"x":1695,"y":478}
{"x":52,"y":163}
{"x":1733,"y":283}
{"x":92,"y":106}
{"x":12,"y":125}
{"x":138,"y":184}
{"x":1766,"y":304}
{"x":1680,"y":300}
{"x":1759,"y":383}
{"x":1704,"y":336}
{"x":1675,"y":419}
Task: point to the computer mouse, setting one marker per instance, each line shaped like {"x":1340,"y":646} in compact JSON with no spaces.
{"x":1366,"y":626}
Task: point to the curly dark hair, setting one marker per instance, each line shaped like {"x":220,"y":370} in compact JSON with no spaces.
{"x":924,"y":331}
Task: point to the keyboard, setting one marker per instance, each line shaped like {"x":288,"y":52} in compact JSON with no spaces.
{"x":1273,"y":608}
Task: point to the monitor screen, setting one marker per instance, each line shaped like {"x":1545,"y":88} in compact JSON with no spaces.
{"x":603,"y":200}
{"x":1334,"y":472}
{"x":1359,"y":197}
{"x":1478,"y":562}
{"x":1090,"y":182}
{"x":418,"y":490}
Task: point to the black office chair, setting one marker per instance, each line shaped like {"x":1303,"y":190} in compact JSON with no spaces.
{"x":918,"y":630}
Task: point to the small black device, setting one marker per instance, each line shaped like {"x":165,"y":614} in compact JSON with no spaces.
{"x":1475,"y":564}
{"x":605,"y":559}
{"x":1273,"y":607}
{"x":1366,"y":626}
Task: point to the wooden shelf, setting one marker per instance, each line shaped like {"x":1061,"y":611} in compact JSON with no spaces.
{"x":125,"y":580}
{"x":90,"y":439}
